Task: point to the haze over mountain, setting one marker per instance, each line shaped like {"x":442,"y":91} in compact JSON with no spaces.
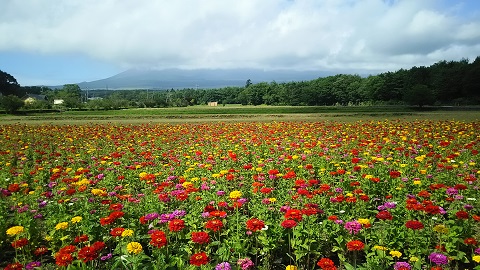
{"x":196,"y":78}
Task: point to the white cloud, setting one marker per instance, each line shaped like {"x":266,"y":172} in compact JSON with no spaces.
{"x":366,"y":35}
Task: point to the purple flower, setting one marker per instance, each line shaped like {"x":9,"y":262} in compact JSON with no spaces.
{"x":452,"y":191}
{"x":381,"y":208}
{"x":468,"y":207}
{"x":164,"y":218}
{"x":477,"y":251}
{"x":151,"y":216}
{"x":223,"y":266}
{"x":245,"y":264}
{"x":179,"y":213}
{"x":390,"y":205}
{"x":32,"y":265}
{"x":220,"y":193}
{"x":402,"y":265}
{"x":338,"y":190}
{"x":100,"y":176}
{"x":353,"y":227}
{"x":438,"y":258}
{"x":106,"y":257}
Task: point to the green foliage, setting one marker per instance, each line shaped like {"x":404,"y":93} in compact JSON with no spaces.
{"x":419,"y":95}
{"x":11,"y":103}
{"x":8,"y":84}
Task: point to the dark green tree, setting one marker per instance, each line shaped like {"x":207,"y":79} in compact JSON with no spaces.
{"x":419,"y":95}
{"x":11,"y":103}
{"x":8,"y":84}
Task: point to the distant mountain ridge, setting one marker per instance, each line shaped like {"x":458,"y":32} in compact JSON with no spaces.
{"x":196,"y":78}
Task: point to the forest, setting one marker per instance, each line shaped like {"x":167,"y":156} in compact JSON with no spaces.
{"x":445,"y":83}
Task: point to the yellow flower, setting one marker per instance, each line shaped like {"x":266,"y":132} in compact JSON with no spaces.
{"x":291,"y":267}
{"x":187,"y":184}
{"x":127,"y":232}
{"x":414,"y":259}
{"x":235,"y":194}
{"x":476,"y":258}
{"x":417,"y":182}
{"x":440,"y":228}
{"x":272,"y":200}
{"x":48,"y":238}
{"x":363,"y":221}
{"x":134,"y":247}
{"x":15,"y":230}
{"x":61,"y":226}
{"x":76,"y":219}
{"x":380,"y":248}
{"x":395,"y":253}
{"x":98,"y":192}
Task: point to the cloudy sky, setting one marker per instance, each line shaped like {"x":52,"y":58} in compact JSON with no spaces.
{"x":68,"y":41}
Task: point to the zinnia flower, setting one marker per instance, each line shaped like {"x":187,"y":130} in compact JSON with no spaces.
{"x":438,"y":258}
{"x":326,"y":264}
{"x":15,"y":230}
{"x":199,"y":259}
{"x":127,"y":232}
{"x":235,"y":194}
{"x":223,"y":266}
{"x":402,"y":266}
{"x":384,"y":215}
{"x":76,"y":219}
{"x":245,"y":263}
{"x":255,"y":224}
{"x":200,"y":237}
{"x":291,"y":267}
{"x":355,"y":245}
{"x":134,"y":247}
{"x":214,"y":224}
{"x":63,"y":259}
{"x":395,"y":253}
{"x":176,"y":225}
{"x":414,"y":224}
{"x":353,"y":227}
{"x":288,"y":223}
{"x":20,"y":243}
{"x":61,"y":226}
{"x":158,"y":239}
{"x":14,"y":266}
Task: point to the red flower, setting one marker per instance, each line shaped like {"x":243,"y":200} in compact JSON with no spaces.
{"x":13,"y":187}
{"x":40,"y":251}
{"x":97,"y":246}
{"x":200,"y":237}
{"x":355,"y":245}
{"x":116,"y":231}
{"x":294,"y":214}
{"x":326,"y":264}
{"x":116,"y":214}
{"x":414,"y":225}
{"x":255,"y":224}
{"x":176,"y":225}
{"x":470,"y":241}
{"x":395,"y":174}
{"x":116,"y":206}
{"x":106,"y":221}
{"x":214,"y":224}
{"x":80,"y":239}
{"x":158,"y":239}
{"x":461,"y":214}
{"x":63,"y":259}
{"x":288,"y":223}
{"x":14,"y":266}
{"x":199,"y":259}
{"x":20,"y":243}
{"x":87,"y":254}
{"x":68,"y":249}
{"x":383,"y":215}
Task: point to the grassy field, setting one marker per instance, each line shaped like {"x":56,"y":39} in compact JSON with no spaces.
{"x":241,"y":113}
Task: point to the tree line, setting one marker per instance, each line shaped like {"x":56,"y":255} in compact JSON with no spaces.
{"x":443,"y":83}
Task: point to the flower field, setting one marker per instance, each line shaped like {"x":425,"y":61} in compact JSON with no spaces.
{"x":281,"y":195}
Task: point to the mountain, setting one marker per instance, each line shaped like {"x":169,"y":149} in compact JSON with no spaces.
{"x":197,"y":78}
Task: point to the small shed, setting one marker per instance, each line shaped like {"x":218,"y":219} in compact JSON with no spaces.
{"x":213,"y":103}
